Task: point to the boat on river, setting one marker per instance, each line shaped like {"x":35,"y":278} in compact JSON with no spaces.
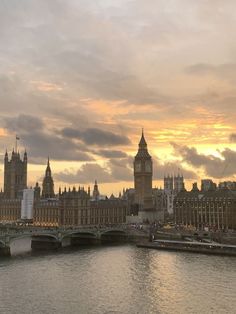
{"x":191,"y":246}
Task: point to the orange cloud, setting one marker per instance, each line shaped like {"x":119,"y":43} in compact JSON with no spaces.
{"x":3,"y":132}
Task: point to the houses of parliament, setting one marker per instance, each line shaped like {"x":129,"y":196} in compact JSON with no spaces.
{"x":209,"y":206}
{"x":71,"y":206}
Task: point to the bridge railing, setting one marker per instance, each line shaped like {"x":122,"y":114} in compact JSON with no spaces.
{"x":34,"y":230}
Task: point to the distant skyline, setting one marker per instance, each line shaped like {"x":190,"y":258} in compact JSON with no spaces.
{"x":79,"y":80}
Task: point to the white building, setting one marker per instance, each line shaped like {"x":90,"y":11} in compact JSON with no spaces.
{"x":172,"y":186}
{"x":27,"y":204}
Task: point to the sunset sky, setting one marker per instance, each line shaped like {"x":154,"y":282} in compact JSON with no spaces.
{"x":80,"y":78}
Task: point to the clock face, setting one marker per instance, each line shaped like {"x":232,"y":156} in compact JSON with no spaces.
{"x":137,"y":166}
{"x":148,"y":166}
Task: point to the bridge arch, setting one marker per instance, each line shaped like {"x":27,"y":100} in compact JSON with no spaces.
{"x":80,"y":238}
{"x":44,"y":235}
{"x":81,"y":234}
{"x":114,"y":235}
{"x":114,"y":231}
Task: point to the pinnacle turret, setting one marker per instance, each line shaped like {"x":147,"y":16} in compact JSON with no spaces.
{"x":48,"y":172}
{"x":25,"y":156}
{"x":6,"y":156}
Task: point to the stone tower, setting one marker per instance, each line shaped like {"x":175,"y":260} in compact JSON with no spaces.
{"x":178,"y":183}
{"x":48,"y":184}
{"x":168,"y":183}
{"x":143,"y":176}
{"x":37,"y":191}
{"x":15,"y":175}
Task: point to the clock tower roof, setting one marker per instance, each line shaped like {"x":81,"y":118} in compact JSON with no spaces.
{"x":142,"y":151}
{"x":142,"y":142}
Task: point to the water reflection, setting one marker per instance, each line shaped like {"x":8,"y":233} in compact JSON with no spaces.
{"x":117,"y":279}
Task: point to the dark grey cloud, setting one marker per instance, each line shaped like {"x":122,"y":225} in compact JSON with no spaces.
{"x":222,"y":71}
{"x":42,"y":142}
{"x":111,"y":153}
{"x":115,"y":170}
{"x":190,"y":155}
{"x":122,"y":168}
{"x":216,"y":167}
{"x":94,"y":136}
{"x":23,"y":123}
{"x":161,"y":169}
{"x":85,"y":175}
{"x":42,"y":139}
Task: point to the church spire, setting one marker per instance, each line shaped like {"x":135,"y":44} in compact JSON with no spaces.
{"x":25,"y":156}
{"x":48,"y":169}
{"x":6,"y":156}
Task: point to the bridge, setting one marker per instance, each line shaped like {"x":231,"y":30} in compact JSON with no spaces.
{"x":42,"y":239}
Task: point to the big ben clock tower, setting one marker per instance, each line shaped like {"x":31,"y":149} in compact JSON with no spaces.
{"x":143,"y":176}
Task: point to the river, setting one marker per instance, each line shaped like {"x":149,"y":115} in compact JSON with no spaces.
{"x":115,"y":279}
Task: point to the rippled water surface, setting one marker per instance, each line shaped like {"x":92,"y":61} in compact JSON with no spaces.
{"x":118,"y":279}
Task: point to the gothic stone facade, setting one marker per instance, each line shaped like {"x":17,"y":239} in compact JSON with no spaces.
{"x":46,"y":212}
{"x":213,"y":209}
{"x":74,"y":207}
{"x":109,"y":211}
{"x":10,"y":210}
